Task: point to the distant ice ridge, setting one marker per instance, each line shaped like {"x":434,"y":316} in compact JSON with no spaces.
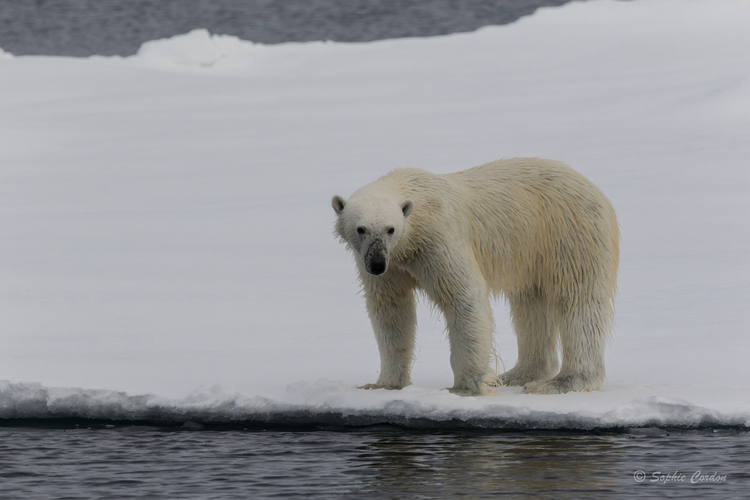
{"x":197,"y":48}
{"x":332,"y":403}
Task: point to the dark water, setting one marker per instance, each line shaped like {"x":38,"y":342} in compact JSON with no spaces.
{"x":86,"y":27}
{"x":383,"y":462}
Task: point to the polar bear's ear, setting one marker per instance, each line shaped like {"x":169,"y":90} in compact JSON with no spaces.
{"x":406,"y":207}
{"x":338,"y":204}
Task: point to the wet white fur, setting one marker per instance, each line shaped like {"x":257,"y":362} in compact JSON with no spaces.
{"x":534,"y":231}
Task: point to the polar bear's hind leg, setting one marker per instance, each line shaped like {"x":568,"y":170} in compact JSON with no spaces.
{"x":536,"y":334}
{"x":583,"y":334}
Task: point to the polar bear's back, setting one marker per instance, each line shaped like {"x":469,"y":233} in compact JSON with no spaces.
{"x":533,"y":223}
{"x":540,"y":224}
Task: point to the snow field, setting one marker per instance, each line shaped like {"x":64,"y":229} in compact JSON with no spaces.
{"x":166,"y":225}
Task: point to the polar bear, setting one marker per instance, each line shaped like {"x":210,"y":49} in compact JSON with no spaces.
{"x":534,"y":231}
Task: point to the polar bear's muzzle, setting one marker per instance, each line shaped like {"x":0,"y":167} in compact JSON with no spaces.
{"x":376,"y":258}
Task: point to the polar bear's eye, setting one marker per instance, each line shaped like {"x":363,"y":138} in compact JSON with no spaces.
{"x":391,"y":230}
{"x":361,"y":230}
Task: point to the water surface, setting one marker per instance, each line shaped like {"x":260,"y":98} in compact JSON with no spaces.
{"x":86,"y":27}
{"x":378,"y":462}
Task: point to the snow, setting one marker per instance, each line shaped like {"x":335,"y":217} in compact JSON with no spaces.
{"x":167,"y":248}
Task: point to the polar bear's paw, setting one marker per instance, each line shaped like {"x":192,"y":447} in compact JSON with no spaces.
{"x":561,"y":385}
{"x":483,"y":390}
{"x":514,"y":378}
{"x":519,"y":378}
{"x":371,"y":387}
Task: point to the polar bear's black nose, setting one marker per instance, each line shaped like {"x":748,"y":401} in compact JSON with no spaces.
{"x":376,"y":258}
{"x":377,"y":265}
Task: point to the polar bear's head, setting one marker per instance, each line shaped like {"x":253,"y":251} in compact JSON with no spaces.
{"x":372,"y":225}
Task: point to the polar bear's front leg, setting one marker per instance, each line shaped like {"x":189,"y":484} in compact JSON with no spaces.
{"x":392,"y":308}
{"x":468,"y":315}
